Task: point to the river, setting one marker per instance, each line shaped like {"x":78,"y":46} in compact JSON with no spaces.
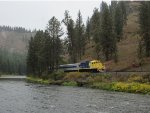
{"x":23,"y":97}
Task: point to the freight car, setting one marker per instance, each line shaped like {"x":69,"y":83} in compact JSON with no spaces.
{"x":84,"y":66}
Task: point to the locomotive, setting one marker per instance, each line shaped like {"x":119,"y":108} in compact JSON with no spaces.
{"x":84,"y":66}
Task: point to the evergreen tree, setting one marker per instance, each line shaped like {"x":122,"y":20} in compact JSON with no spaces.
{"x":144,"y":20}
{"x":95,"y":31}
{"x":31,"y":57}
{"x":118,"y":22}
{"x":108,"y":40}
{"x":88,"y":29}
{"x":71,"y":39}
{"x":55,"y":32}
{"x":80,"y":34}
{"x":123,"y":5}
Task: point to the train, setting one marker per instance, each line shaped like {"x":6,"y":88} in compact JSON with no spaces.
{"x":84,"y":66}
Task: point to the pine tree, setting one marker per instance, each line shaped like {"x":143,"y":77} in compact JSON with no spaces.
{"x":95,"y":31}
{"x":80,"y":34}
{"x":123,"y":5}
{"x":55,"y":32}
{"x":108,"y":40}
{"x":88,"y":29}
{"x":144,"y":20}
{"x":31,"y":57}
{"x":71,"y":39}
{"x":118,"y":22}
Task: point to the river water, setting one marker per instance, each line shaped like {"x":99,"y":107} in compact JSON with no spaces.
{"x":23,"y":97}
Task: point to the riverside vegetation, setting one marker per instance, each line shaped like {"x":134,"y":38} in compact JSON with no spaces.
{"x":129,"y":83}
{"x":105,"y":29}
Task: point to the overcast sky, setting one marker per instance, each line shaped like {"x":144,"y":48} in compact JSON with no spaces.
{"x":35,"y":14}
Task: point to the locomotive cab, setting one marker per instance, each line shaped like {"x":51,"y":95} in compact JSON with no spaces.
{"x":96,"y":64}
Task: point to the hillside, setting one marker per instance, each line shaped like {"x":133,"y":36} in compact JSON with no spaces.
{"x":13,"y":49}
{"x":127,"y":47}
{"x":14,"y":41}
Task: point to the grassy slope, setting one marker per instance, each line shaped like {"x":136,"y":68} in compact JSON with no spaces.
{"x":127,"y":48}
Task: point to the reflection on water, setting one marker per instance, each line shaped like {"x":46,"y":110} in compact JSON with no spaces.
{"x":22,"y":97}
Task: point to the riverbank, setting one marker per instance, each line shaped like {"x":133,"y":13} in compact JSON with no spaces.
{"x":23,"y":97}
{"x":129,"y":83}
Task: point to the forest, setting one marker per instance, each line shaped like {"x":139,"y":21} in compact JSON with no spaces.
{"x":13,"y":49}
{"x":12,"y":63}
{"x":41,"y":52}
{"x":105,"y":28}
{"x":16,"y":29}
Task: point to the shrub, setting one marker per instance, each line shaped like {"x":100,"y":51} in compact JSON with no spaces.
{"x":71,"y":83}
{"x":146,"y":78}
{"x":135,"y":78}
{"x":58,"y":75}
{"x":99,"y":78}
{"x":75,"y":76}
{"x":132,"y":87}
{"x":101,"y":85}
{"x":120,"y":86}
{"x":37,"y":80}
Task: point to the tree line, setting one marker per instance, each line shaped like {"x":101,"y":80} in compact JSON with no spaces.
{"x":46,"y":48}
{"x":12,"y":63}
{"x":144,"y":21}
{"x":16,"y":29}
{"x":104,"y":27}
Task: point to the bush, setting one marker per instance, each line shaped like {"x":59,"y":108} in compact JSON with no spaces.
{"x":139,"y":78}
{"x":71,"y":83}
{"x":101,"y":85}
{"x":37,"y":80}
{"x":132,"y":87}
{"x":58,"y":75}
{"x":135,"y":78}
{"x":99,"y":78}
{"x":146,"y":78}
{"x":75,"y":76}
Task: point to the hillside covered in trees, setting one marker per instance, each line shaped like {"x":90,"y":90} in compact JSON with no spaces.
{"x":117,"y":34}
{"x":13,"y":49}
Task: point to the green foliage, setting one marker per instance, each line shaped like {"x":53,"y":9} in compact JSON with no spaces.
{"x":45,"y":48}
{"x":70,"y":83}
{"x":144,"y":20}
{"x":37,"y":80}
{"x":103,"y":33}
{"x":108,"y":39}
{"x":12,"y":63}
{"x":124,"y":87}
{"x":88,"y":29}
{"x":101,"y":85}
{"x":75,"y":76}
{"x":119,"y":22}
{"x":139,"y":78}
{"x":132,"y":83}
{"x":71,"y":39}
{"x":58,"y":75}
{"x":132,"y":87}
{"x":75,"y":40}
{"x":80,"y":36}
{"x":15,"y":29}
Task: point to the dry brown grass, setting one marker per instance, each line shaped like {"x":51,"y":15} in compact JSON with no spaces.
{"x":127,"y":48}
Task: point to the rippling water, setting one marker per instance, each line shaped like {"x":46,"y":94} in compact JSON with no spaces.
{"x":22,"y":97}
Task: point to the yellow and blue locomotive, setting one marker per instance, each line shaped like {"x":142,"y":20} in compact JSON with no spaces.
{"x":84,"y":66}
